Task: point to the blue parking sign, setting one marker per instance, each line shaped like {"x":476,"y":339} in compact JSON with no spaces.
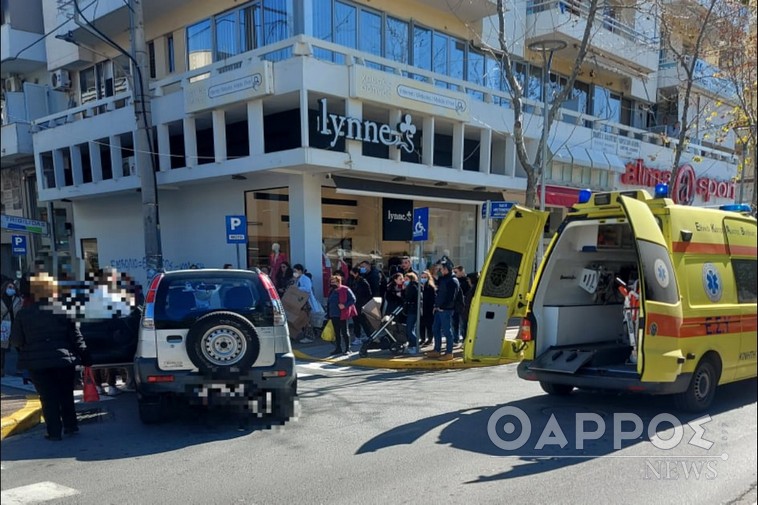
{"x":421,"y":224}
{"x":236,"y":230}
{"x":18,"y":245}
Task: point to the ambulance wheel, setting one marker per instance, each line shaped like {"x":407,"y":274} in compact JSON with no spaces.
{"x":556,"y":389}
{"x":701,"y":390}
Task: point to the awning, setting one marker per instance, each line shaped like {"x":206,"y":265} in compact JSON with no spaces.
{"x":615,"y":163}
{"x":584,"y":156}
{"x":559,"y":196}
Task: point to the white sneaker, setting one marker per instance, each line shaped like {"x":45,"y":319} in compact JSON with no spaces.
{"x":112,"y":391}
{"x":305,"y":340}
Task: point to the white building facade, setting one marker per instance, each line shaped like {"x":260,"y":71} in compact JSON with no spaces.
{"x":326,"y":122}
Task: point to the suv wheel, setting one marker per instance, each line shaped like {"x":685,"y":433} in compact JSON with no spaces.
{"x":222,"y":342}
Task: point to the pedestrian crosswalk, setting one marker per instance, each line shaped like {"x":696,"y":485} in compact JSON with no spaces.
{"x":311,"y":368}
{"x":36,"y":493}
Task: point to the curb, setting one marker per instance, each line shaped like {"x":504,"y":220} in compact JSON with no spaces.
{"x":404,"y":363}
{"x":24,"y":419}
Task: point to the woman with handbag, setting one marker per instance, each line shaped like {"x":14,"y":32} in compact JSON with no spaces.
{"x":340,"y":309}
{"x":10,"y":303}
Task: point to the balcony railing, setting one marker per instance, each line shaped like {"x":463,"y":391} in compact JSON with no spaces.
{"x":303,"y":46}
{"x":580,"y":8}
{"x":704,"y":75}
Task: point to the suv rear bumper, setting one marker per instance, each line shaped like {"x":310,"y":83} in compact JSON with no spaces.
{"x":617,"y":382}
{"x":187,"y":383}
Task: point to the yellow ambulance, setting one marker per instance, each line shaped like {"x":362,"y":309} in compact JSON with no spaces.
{"x":634,"y":293}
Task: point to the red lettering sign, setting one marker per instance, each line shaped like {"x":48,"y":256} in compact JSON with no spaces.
{"x":686,"y":186}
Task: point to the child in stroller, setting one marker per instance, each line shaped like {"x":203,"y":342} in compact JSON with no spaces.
{"x":388,"y":334}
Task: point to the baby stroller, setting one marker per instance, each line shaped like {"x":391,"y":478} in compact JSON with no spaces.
{"x":388,"y":334}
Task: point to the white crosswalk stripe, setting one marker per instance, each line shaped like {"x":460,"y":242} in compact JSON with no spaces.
{"x":36,"y":493}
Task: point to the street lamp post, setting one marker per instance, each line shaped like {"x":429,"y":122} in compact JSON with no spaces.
{"x":547,"y":47}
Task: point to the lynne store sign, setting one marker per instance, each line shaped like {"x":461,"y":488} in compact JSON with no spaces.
{"x":337,"y":125}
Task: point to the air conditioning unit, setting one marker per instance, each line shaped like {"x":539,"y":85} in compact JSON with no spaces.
{"x":129,"y":167}
{"x":60,"y":80}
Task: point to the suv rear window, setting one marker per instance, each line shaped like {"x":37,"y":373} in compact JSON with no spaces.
{"x":183,"y":298}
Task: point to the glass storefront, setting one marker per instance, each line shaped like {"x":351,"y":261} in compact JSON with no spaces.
{"x":358,"y":227}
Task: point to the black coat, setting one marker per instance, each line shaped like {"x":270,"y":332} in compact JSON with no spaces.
{"x":427,"y":304}
{"x":45,"y":340}
{"x":410,"y":298}
{"x":362,"y":291}
{"x":447,"y":288}
{"x":375,"y":281}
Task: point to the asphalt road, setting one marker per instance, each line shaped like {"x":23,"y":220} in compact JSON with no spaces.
{"x":379,"y":436}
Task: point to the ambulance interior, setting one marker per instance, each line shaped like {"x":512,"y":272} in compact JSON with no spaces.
{"x":578,"y":305}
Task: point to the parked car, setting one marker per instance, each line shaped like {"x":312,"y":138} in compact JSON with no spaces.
{"x":215,"y":337}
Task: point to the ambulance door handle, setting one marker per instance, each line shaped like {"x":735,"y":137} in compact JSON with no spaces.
{"x":174,"y":339}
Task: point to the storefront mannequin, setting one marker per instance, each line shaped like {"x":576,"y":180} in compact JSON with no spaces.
{"x":276,"y":258}
{"x":342,"y":264}
{"x":326,"y":270}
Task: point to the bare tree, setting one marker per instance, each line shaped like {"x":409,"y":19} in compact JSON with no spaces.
{"x":515,"y":88}
{"x":710,"y":19}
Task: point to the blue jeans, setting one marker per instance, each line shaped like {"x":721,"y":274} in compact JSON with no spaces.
{"x":410,"y":330}
{"x":443,"y":326}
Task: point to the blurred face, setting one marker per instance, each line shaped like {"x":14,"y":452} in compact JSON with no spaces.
{"x":406,"y":264}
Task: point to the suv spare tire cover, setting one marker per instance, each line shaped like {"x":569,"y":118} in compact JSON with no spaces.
{"x":222,"y":341}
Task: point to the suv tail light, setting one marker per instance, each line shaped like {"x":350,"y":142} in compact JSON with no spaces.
{"x":280,"y":319}
{"x":148,"y":320}
{"x":525,"y":331}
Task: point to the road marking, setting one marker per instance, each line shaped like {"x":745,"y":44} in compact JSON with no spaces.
{"x":36,"y":493}
{"x":317,"y":365}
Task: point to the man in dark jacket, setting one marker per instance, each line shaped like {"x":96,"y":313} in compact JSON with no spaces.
{"x":374,"y":277}
{"x":49,"y":346}
{"x":444,"y":306}
{"x":362,"y":291}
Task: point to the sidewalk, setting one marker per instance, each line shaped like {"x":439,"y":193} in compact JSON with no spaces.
{"x":20,"y":408}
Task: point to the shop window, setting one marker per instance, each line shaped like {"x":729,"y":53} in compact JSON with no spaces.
{"x":267,"y":214}
{"x":90,"y":255}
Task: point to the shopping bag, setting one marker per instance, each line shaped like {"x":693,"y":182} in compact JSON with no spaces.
{"x":327,"y":333}
{"x":90,"y":389}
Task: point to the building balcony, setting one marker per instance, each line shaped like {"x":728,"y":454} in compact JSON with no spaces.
{"x":706,"y":78}
{"x":12,"y":41}
{"x":259,"y":111}
{"x":15,"y":144}
{"x":615,"y":44}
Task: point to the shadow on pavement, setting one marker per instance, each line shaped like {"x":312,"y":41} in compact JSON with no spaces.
{"x":468,"y":429}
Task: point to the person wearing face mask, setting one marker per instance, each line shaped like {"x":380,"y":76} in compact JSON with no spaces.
{"x":410,"y":306}
{"x":373,"y":276}
{"x":428,"y":295}
{"x":304,"y":283}
{"x":340,"y":309}
{"x":10,"y":303}
{"x":394,"y":296}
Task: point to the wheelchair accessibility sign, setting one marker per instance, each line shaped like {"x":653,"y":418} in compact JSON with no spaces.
{"x":421,"y":224}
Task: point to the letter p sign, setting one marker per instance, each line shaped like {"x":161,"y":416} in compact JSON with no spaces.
{"x":18,"y":245}
{"x":236,"y":229}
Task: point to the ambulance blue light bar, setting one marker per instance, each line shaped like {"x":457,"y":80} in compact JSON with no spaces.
{"x":661,"y":190}
{"x":585,"y":195}
{"x":736,"y":207}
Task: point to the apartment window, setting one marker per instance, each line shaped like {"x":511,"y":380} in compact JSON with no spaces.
{"x":199,"y":44}
{"x":422,"y":49}
{"x":370,"y":35}
{"x":396,"y":41}
{"x":87,"y":85}
{"x":170,"y":54}
{"x":606,"y":105}
{"x":151,"y":58}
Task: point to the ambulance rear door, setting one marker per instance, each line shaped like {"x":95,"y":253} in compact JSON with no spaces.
{"x":659,"y":357}
{"x":502,"y":290}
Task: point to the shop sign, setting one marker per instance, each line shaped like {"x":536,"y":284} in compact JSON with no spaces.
{"x":337,"y":125}
{"x":686,"y":185}
{"x":611,"y":143}
{"x":397,"y":219}
{"x":230,"y":86}
{"x":23,"y":224}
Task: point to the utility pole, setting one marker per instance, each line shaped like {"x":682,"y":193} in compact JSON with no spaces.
{"x":143,"y":148}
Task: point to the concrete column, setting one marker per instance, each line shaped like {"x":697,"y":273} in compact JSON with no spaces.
{"x":95,"y":161}
{"x":255,"y":127}
{"x":395,"y":117}
{"x":485,"y":150}
{"x":354,"y":109}
{"x":76,"y":165}
{"x":305,"y":225}
{"x":117,"y":162}
{"x":60,"y":178}
{"x":164,"y":147}
{"x":458,"y":146}
{"x":219,"y":135}
{"x":190,"y":141}
{"x":427,"y":147}
{"x":304,"y":133}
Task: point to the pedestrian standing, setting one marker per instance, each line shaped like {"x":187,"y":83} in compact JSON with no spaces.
{"x":444,"y":306}
{"x":410,"y":306}
{"x":283,"y":278}
{"x":10,"y":304}
{"x":362,"y":291}
{"x":373,"y":276}
{"x":459,"y":329}
{"x":50,"y":345}
{"x":394,"y":295}
{"x":428,"y":294}
{"x":340,"y":309}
